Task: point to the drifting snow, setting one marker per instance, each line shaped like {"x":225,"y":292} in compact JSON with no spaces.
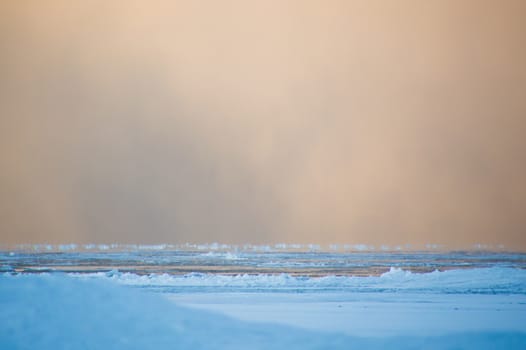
{"x":278,"y":247}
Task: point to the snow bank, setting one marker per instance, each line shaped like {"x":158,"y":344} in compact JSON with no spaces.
{"x":59,"y":312}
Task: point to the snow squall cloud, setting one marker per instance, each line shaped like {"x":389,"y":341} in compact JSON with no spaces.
{"x":323,"y":122}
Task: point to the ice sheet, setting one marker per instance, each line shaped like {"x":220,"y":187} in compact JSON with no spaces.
{"x":60,"y":312}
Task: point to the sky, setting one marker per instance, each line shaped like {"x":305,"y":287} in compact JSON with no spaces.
{"x":376,"y":122}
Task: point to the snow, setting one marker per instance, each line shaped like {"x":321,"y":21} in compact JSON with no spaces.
{"x":371,"y":314}
{"x":216,"y":296}
{"x":59,"y":311}
{"x":494,"y":280}
{"x":278,"y":247}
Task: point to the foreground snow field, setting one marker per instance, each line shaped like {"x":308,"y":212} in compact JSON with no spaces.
{"x":371,"y":314}
{"x":58,"y":311}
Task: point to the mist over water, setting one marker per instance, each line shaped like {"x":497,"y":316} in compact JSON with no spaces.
{"x":234,"y":121}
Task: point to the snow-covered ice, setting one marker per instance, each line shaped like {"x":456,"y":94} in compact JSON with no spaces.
{"x":72,"y":300}
{"x":60,"y":312}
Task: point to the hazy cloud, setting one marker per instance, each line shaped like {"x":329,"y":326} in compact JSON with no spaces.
{"x":238,"y":121}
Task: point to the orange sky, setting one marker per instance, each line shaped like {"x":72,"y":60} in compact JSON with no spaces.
{"x":379,"y":122}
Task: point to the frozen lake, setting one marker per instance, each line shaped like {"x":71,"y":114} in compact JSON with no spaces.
{"x":284,"y":296}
